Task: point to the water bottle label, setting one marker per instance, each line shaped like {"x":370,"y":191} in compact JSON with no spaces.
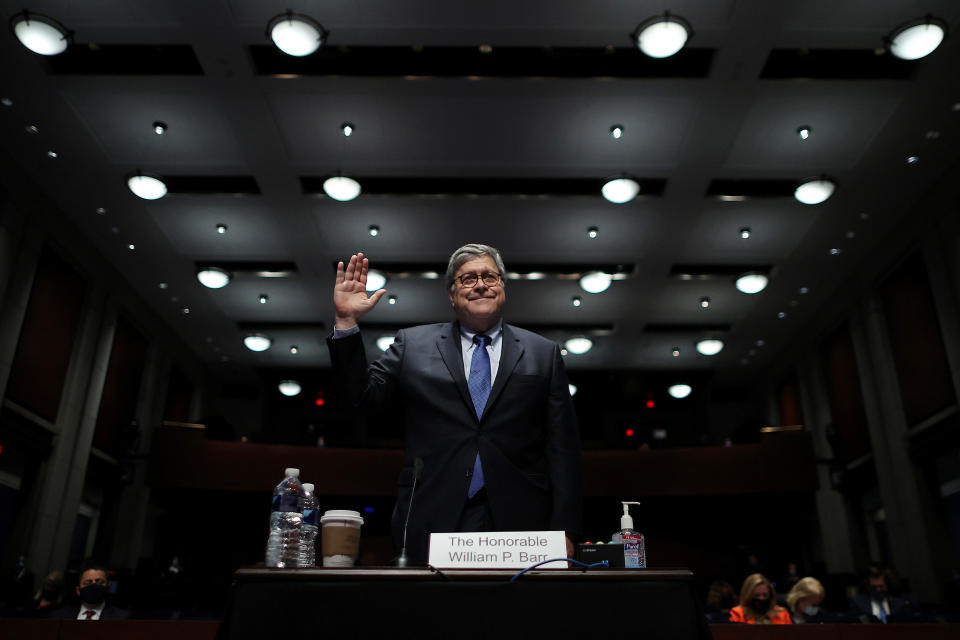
{"x":310,"y":517}
{"x":286,"y":503}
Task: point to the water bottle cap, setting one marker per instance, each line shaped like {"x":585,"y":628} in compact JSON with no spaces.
{"x":291,"y":471}
{"x":308,"y":486}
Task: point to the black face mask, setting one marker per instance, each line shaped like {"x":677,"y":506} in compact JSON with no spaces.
{"x":760,"y":606}
{"x":93,"y":594}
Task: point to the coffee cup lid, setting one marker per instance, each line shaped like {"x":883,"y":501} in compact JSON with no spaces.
{"x":341,"y":514}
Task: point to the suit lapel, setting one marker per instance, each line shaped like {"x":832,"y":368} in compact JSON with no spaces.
{"x":449,"y":345}
{"x":510,"y":353}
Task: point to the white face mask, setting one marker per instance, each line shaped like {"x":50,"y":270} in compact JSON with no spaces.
{"x":811,"y":611}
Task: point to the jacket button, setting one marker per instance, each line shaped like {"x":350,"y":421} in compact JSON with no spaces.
{"x":468,"y":474}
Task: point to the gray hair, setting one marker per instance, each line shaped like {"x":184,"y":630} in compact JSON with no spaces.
{"x":467,"y":253}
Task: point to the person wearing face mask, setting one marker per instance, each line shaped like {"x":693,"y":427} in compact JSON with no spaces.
{"x":804,"y":601}
{"x":92,"y":591}
{"x":758,"y":603}
{"x":50,"y":596}
{"x":878,"y":605}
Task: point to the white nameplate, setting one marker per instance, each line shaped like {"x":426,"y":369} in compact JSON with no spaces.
{"x":497,"y":550}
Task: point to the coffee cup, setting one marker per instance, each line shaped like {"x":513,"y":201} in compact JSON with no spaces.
{"x":340,"y":537}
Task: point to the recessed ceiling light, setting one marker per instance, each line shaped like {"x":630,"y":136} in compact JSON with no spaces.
{"x":384,"y":342}
{"x":185,"y":311}
{"x":579,"y":345}
{"x":100,"y":211}
{"x":39,"y":33}
{"x":804,"y":291}
{"x":53,"y":155}
{"x":616,"y":131}
{"x":535,"y":275}
{"x":732,"y":198}
{"x":374,"y":230}
{"x":745,"y":232}
{"x":294,"y":349}
{"x":347,"y":129}
{"x":675,"y":352}
{"x":174,"y":299}
{"x":620,"y":190}
{"x":146,"y":186}
{"x":815,"y":190}
{"x":563,"y":351}
{"x":592,"y":232}
{"x":760,"y":343}
{"x":913,"y":159}
{"x":257,"y":342}
{"x":804,"y":132}
{"x":114,"y":229}
{"x":572,"y":388}
{"x":7,"y":102}
{"x":163,"y":285}
{"x":131,"y":246}
{"x":933,"y":134}
{"x":956,"y":106}
{"x":710,"y":347}
{"x":221,"y":228}
{"x":753,"y":282}
{"x":289,"y":388}
{"x":159,"y":128}
{"x":296,"y":34}
{"x":679,"y":391}
{"x":595,"y":281}
{"x":705,"y":302}
{"x":392,"y":300}
{"x":32,"y":128}
{"x":917,"y":38}
{"x":781,"y":314}
{"x":864,"y":215}
{"x":835,"y":251}
{"x":485,"y":48}
{"x":662,"y":36}
{"x":263,"y":298}
{"x":341,"y":188}
{"x":577,"y":301}
{"x":213,"y":277}
{"x":850,"y":235}
{"x":375,"y":280}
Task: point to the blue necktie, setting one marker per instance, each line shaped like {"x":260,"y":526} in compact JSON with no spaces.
{"x":479,"y":385}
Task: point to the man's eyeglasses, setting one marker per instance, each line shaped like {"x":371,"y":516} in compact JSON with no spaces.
{"x":470,"y":280}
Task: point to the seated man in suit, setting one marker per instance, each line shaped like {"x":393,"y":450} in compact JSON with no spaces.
{"x":486,"y":407}
{"x":92,"y":591}
{"x":877,"y":605}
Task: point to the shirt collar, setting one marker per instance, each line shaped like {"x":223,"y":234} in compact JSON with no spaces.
{"x":99,"y":608}
{"x":493,"y":333}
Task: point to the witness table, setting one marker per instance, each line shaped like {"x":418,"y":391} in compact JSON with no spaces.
{"x":462,"y":604}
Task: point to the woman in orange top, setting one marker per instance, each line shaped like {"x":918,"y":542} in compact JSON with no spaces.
{"x":758,"y":604}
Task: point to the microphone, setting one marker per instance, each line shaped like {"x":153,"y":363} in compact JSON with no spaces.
{"x":417,"y":470}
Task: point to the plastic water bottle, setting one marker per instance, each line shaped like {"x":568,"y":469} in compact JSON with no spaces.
{"x":308,"y":530}
{"x":286,"y":516}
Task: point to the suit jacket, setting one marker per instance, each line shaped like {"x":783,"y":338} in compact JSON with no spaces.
{"x":861,"y":607}
{"x":527,"y":436}
{"x":71,"y":612}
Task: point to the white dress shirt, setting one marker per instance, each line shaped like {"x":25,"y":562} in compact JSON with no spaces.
{"x":97,"y":611}
{"x":467,"y":347}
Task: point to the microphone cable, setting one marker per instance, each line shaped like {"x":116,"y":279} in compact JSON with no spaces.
{"x":602,"y":563}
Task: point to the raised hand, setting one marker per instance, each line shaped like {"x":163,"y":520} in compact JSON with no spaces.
{"x":350,"y":299}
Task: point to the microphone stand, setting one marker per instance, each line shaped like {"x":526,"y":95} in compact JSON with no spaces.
{"x":402,"y":560}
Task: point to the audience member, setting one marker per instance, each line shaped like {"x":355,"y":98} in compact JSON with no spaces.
{"x":790,"y":578}
{"x":804,"y":601}
{"x":92,"y":591}
{"x":17,"y":589}
{"x":758,"y":603}
{"x":877,"y":605}
{"x":50,"y":596}
{"x":720,"y":596}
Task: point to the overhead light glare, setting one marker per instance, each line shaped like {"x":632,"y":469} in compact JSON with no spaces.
{"x":146,"y":186}
{"x":676,"y":352}
{"x":745,"y":233}
{"x":392,"y":300}
{"x":294,"y":349}
{"x":577,"y":301}
{"x":263,"y":298}
{"x":159,"y":128}
{"x":710,"y":347}
{"x":341,"y":188}
{"x":347,"y":128}
{"x":705,"y":302}
{"x":573,"y":388}
{"x":579,"y":345}
{"x":289,"y":388}
{"x":374,"y":230}
{"x":662,"y":36}
{"x":815,"y":190}
{"x":679,"y":391}
{"x":595,"y":281}
{"x":753,"y":282}
{"x":375,"y":280}
{"x":213,"y":277}
{"x":221,"y":228}
{"x":257,"y":342}
{"x":593,"y":232}
{"x":39,"y":33}
{"x":384,"y":342}
{"x":803,"y":132}
{"x":616,"y":131}
{"x":917,"y":38}
{"x":296,"y":34}
{"x":620,"y":190}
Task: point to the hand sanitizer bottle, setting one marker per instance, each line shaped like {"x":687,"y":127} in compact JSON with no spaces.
{"x":634,"y":545}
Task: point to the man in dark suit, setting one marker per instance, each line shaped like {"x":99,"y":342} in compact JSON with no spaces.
{"x":92,"y":591}
{"x":877,"y":605}
{"x":486,"y":406}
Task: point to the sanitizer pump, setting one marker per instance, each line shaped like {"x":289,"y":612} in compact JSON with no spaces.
{"x":634,"y":545}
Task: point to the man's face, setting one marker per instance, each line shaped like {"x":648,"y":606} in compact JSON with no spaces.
{"x":92,"y":577}
{"x":877,"y":584}
{"x":478,"y":307}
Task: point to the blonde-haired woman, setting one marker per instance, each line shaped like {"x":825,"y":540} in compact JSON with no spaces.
{"x":758,"y":604}
{"x":804,"y":600}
